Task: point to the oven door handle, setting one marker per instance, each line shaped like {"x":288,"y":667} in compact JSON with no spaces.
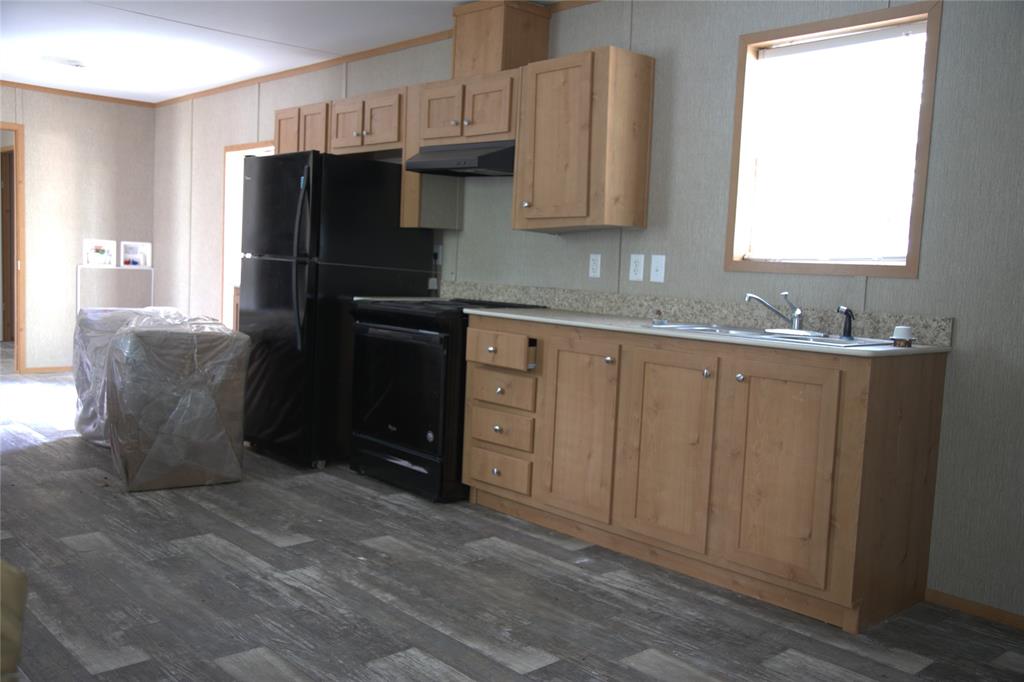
{"x":382,"y":331}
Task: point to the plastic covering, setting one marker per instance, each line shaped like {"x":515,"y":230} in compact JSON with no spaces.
{"x":175,"y":396}
{"x":94,"y":331}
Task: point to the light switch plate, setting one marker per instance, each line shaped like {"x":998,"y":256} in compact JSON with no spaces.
{"x":636,"y":267}
{"x":595,"y":265}
{"x":658,"y":267}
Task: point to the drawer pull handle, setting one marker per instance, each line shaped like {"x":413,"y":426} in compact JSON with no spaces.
{"x":707,"y":373}
{"x":499,"y":390}
{"x":492,"y":349}
{"x":497,"y":428}
{"x":608,"y":360}
{"x":740,"y":378}
{"x":496,"y":471}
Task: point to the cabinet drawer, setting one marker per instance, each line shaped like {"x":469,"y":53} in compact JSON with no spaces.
{"x":500,"y":470}
{"x":503,"y":428}
{"x":498,"y":348}
{"x":501,"y":388}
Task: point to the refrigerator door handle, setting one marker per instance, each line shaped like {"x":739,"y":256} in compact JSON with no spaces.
{"x":303,"y":200}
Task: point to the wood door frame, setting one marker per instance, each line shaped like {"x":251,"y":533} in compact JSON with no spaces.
{"x":223,"y":192}
{"x":7,"y":238}
{"x":20,"y":263}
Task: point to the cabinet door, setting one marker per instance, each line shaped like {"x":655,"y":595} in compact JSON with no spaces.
{"x":488,"y":107}
{"x":553,"y":149}
{"x":777,"y":440}
{"x":574,"y":463}
{"x":286,"y":130}
{"x":382,"y":118}
{"x":441,"y":112}
{"x":346,"y":123}
{"x":313,"y":127}
{"x":663,"y":459}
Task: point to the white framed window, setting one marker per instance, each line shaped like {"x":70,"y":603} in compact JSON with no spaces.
{"x":830,"y":149}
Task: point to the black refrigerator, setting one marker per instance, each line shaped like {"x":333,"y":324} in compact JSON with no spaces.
{"x":317,"y":230}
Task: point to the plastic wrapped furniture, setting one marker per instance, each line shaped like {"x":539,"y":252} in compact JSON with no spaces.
{"x":175,"y":398}
{"x":94,"y":330}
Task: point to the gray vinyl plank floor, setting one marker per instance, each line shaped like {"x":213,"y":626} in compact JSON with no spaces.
{"x":297,"y":574}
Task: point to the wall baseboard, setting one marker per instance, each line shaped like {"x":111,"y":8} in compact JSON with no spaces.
{"x":45,"y":370}
{"x":974,"y":608}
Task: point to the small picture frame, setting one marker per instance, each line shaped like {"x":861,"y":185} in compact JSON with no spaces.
{"x":99,"y":252}
{"x":136,"y":254}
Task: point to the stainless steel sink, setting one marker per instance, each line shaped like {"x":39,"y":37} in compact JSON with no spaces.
{"x":780,"y":335}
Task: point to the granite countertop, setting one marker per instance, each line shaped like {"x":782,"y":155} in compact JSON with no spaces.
{"x":635,"y":325}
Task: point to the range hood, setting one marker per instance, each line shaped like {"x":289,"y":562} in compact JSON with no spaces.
{"x":474,"y":158}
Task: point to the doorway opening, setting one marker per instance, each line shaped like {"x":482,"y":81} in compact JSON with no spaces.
{"x":231,"y":262}
{"x":12,"y":238}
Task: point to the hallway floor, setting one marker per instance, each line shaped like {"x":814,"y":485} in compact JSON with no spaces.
{"x":325,"y":575}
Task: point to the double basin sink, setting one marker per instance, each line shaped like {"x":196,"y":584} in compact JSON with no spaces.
{"x":787,"y":335}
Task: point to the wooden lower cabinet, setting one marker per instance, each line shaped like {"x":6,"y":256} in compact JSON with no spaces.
{"x":802,"y":479}
{"x":663,"y":456}
{"x":575,"y":451}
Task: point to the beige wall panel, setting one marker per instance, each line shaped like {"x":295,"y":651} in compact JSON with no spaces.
{"x":972,"y":244}
{"x":88,"y":173}
{"x":9,"y":105}
{"x":695,"y":47}
{"x":430,"y":62}
{"x":217,"y":121}
{"x":602,"y":23}
{"x":489,"y":250}
{"x":324,"y":85}
{"x":172,"y":182}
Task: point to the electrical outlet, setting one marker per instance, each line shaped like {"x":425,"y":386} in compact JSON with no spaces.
{"x":636,"y":267}
{"x":595,"y":265}
{"x":658,"y":267}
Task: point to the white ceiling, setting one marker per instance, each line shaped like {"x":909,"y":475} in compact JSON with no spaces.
{"x":152,"y":51}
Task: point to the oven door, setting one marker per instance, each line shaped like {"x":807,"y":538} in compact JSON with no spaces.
{"x":398,"y":387}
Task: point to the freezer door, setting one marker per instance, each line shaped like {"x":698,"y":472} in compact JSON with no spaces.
{"x":277,"y":311}
{"x":359,"y":216}
{"x":280,"y":198}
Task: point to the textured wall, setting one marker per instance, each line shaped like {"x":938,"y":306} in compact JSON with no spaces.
{"x":88,"y":173}
{"x":172,"y":193}
{"x":970,"y":259}
{"x":218,"y":121}
{"x":430,"y":62}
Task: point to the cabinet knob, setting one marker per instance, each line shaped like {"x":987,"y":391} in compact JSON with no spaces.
{"x":467,"y":122}
{"x":355,"y":133}
{"x":497,"y":428}
{"x":365,"y":133}
{"x":526,"y":204}
{"x":707,"y":373}
{"x":609,"y":360}
{"x":500,"y":390}
{"x":496,"y":471}
{"x":740,"y":377}
{"x":454,"y":122}
{"x":492,"y":349}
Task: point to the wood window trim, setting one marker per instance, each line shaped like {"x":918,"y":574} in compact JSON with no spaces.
{"x":931,"y":12}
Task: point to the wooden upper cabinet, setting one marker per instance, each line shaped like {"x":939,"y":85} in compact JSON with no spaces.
{"x":777,"y":432}
{"x":313,"y":127}
{"x":663,"y":458}
{"x":492,"y":36}
{"x":553,"y":152}
{"x":583,"y":146}
{"x":370,"y":122}
{"x":346,"y":123}
{"x":487,"y":107}
{"x":441,"y":111}
{"x":575,"y":452}
{"x":382,"y":118}
{"x":286,"y":130}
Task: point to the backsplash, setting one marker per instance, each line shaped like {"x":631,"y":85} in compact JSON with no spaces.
{"x":932,"y":331}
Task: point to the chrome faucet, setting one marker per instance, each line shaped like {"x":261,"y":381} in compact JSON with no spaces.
{"x":795,"y":320}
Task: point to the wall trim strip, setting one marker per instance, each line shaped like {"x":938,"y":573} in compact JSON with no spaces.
{"x":973,"y":608}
